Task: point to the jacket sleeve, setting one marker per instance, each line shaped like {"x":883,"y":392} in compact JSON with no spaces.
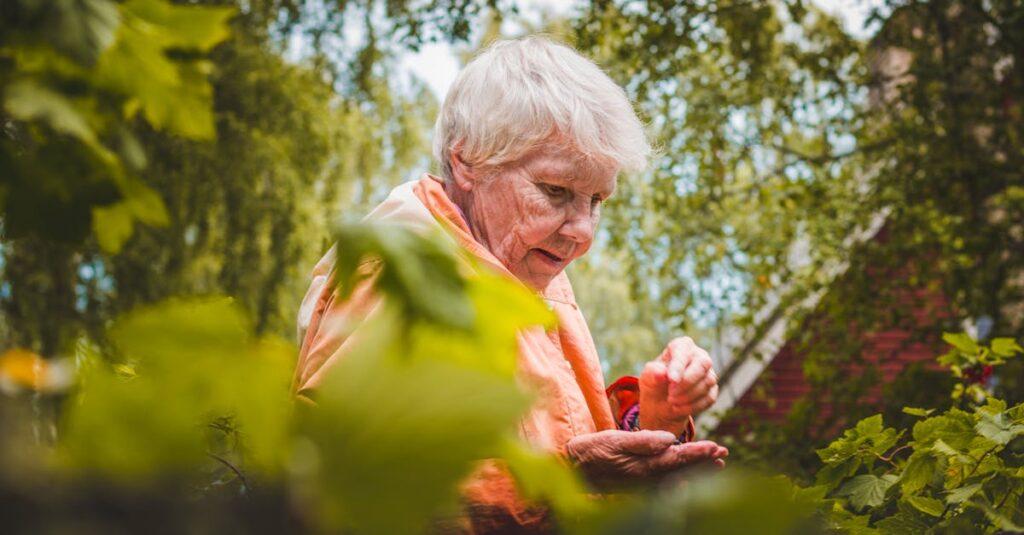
{"x":624,"y":398}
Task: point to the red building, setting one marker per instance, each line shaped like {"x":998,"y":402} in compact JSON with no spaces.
{"x":763,"y":367}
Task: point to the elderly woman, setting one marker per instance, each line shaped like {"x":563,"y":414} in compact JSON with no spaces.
{"x":530,"y":140}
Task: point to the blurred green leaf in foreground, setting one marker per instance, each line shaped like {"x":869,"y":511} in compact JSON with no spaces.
{"x":181,"y":366}
{"x":424,"y":396}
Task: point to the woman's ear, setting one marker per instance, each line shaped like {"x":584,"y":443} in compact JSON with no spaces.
{"x":462,"y":173}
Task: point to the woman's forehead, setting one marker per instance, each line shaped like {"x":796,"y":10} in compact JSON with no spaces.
{"x":569,"y":169}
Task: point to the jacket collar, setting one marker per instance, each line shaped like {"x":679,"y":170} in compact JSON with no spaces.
{"x":430,"y":191}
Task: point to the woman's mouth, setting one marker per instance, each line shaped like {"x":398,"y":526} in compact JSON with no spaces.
{"x":549,"y":257}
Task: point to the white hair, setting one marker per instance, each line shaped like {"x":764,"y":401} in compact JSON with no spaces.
{"x":519,"y":95}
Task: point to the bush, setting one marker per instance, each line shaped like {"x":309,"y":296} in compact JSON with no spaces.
{"x":960,"y":471}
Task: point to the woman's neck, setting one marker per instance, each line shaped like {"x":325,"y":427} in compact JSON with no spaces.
{"x":463,"y":200}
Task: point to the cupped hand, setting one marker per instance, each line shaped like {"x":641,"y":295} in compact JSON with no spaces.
{"x":609,"y":458}
{"x":679,"y":384}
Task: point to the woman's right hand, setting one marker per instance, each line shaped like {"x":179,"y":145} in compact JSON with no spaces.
{"x":624,"y":457}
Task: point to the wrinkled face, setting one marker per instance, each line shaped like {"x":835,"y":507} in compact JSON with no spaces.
{"x":538,"y":214}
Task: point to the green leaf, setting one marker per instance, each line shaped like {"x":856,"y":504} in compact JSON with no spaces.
{"x":904,"y":522}
{"x":913,"y":411}
{"x":919,"y":471}
{"x":858,"y":445}
{"x":992,"y":406}
{"x":940,"y":447}
{"x":866,"y":490}
{"x":84,"y":28}
{"x":440,"y":355}
{"x":27,"y":100}
{"x":847,"y":446}
{"x":998,"y":519}
{"x":885,"y":440}
{"x":834,"y":473}
{"x":962,"y":342}
{"x":186,"y":359}
{"x":711,"y":505}
{"x":812,"y":494}
{"x":186,"y":27}
{"x":852,"y":524}
{"x":998,"y":427}
{"x":1006,"y":347}
{"x":113,"y":224}
{"x":870,"y":426}
{"x":402,"y":444}
{"x":955,"y":428}
{"x":962,"y":494}
{"x":418,"y":273}
{"x":172,"y":94}
{"x":927,"y":505}
{"x":509,"y":308}
{"x":547,"y":479}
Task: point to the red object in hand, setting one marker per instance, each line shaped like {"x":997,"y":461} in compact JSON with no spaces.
{"x":623,"y":394}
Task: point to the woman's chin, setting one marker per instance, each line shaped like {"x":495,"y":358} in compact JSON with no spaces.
{"x":538,"y":270}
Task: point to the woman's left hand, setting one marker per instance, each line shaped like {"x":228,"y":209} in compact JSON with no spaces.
{"x":679,"y":384}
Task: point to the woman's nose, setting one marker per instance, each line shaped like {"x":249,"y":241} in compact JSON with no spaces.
{"x":579,"y":223}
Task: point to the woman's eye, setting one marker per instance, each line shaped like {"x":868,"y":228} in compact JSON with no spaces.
{"x":554,"y":191}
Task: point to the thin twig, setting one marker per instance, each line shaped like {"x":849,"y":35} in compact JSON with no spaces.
{"x":233,"y":468}
{"x":894,"y":452}
{"x":1005,"y":496}
{"x":825,"y":158}
{"x":978,"y":462}
{"x":886,"y":459}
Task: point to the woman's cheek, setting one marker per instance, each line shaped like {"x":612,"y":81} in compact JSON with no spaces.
{"x":540,"y":221}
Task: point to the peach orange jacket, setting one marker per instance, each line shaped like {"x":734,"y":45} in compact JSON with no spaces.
{"x":561,"y":365}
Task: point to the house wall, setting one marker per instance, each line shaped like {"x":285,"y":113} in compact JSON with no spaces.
{"x":887,"y":351}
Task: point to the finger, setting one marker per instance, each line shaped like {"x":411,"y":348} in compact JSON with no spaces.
{"x":666,"y":354}
{"x":698,"y":367}
{"x":710,"y":398}
{"x":713,"y":376}
{"x":694,"y":373}
{"x":701,"y":366}
{"x":719,"y":463}
{"x":700,"y":450}
{"x":692,"y":452}
{"x":646,"y":442}
{"x":674,"y":347}
{"x":704,"y":403}
{"x":654,"y":380}
{"x":713,"y":394}
{"x":681,"y":353}
{"x":695,"y":393}
{"x":683,"y":455}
